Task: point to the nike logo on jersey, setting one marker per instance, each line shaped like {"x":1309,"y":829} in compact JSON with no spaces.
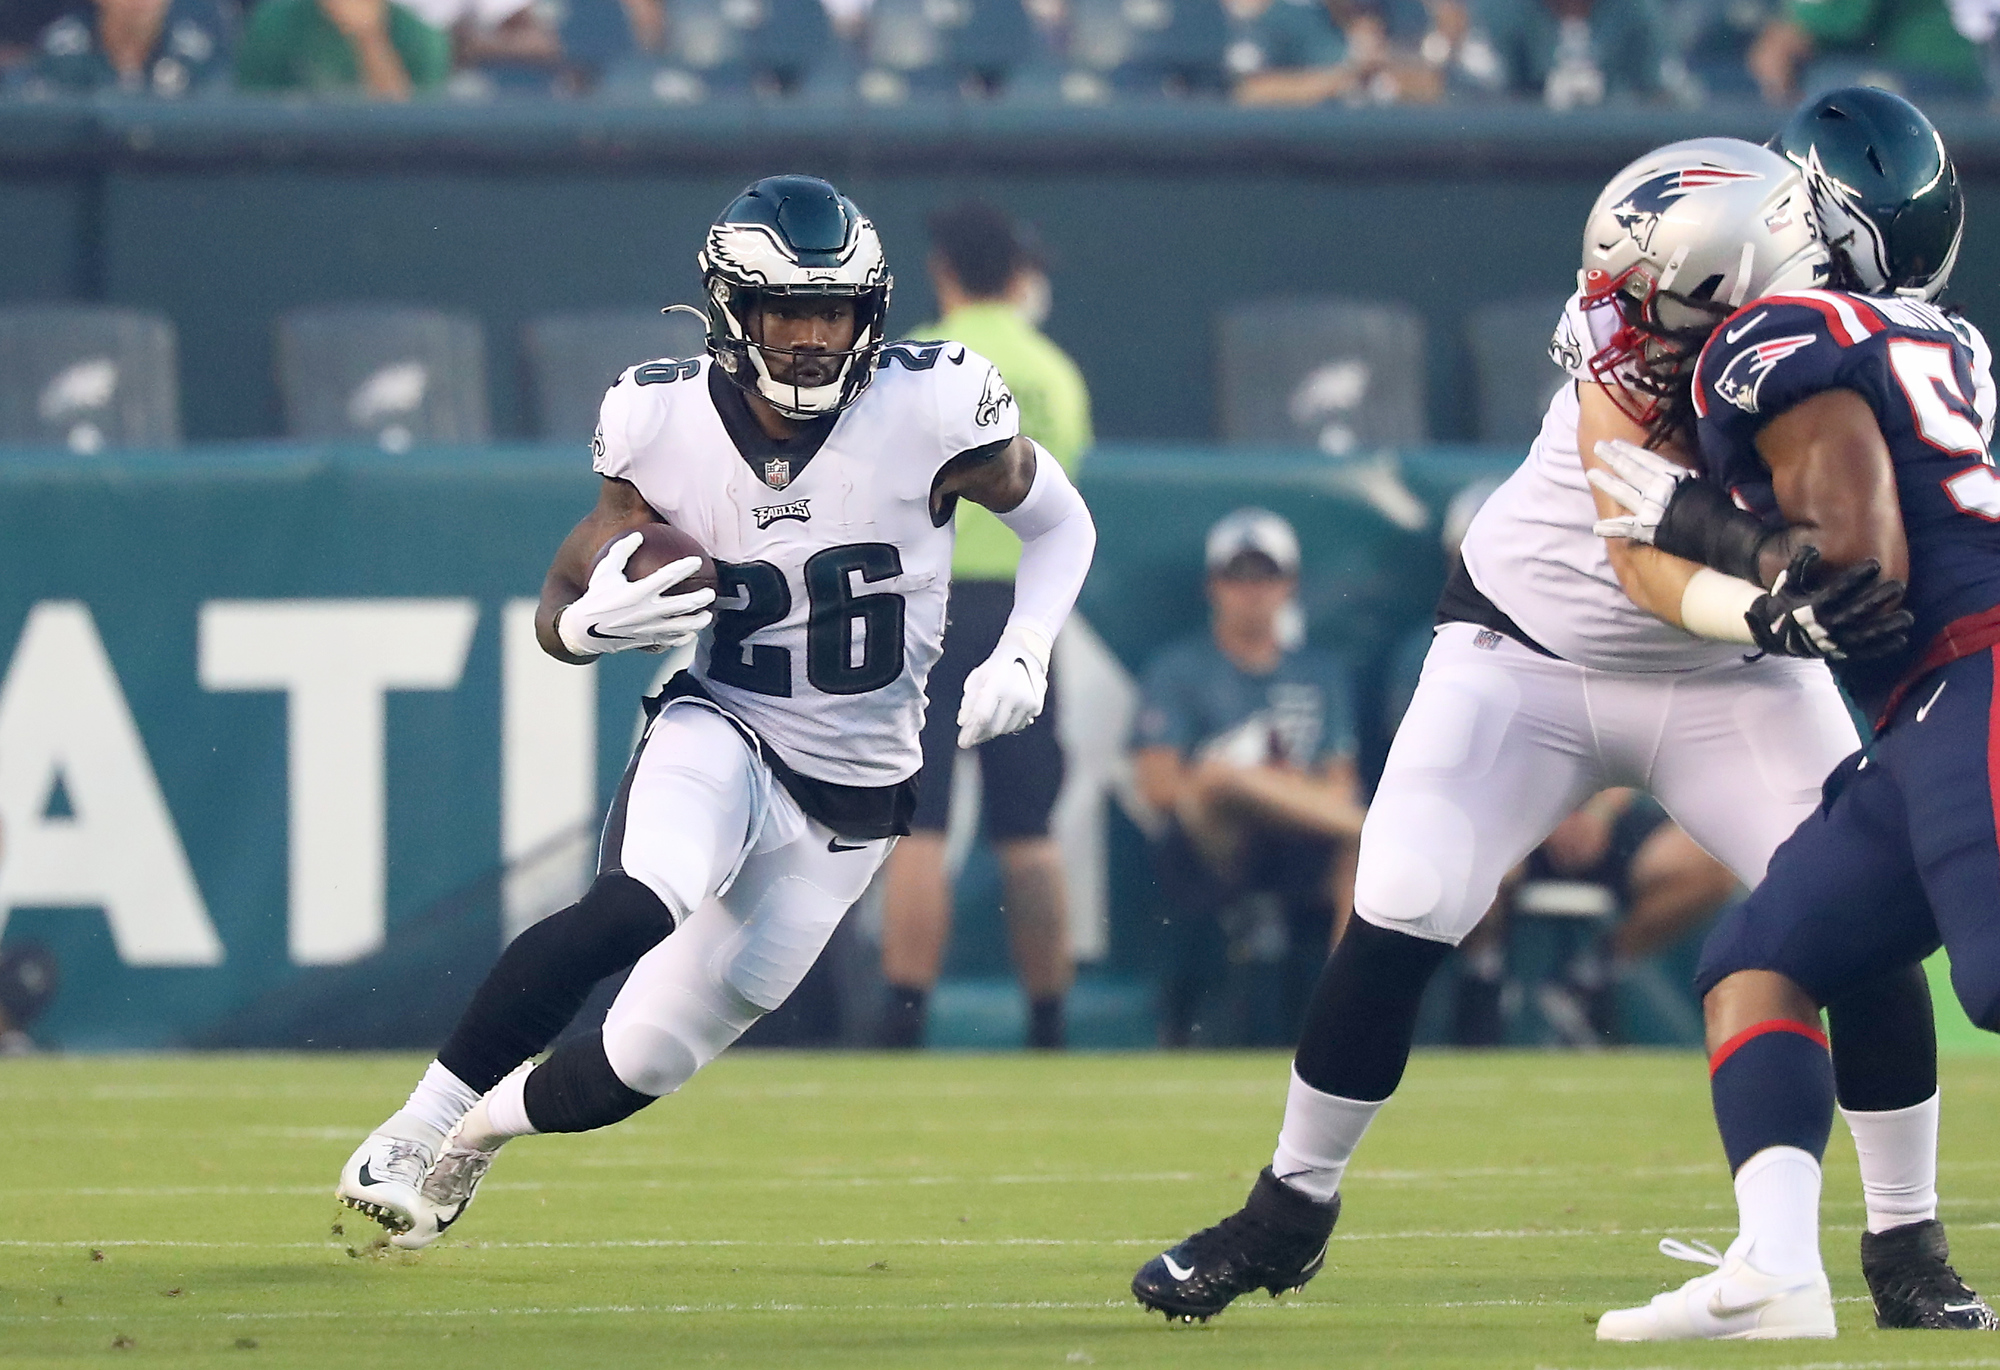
{"x":1176,"y":1269}
{"x":1932,"y":700}
{"x":1733,"y":334}
{"x":835,"y":844}
{"x":768,"y":514}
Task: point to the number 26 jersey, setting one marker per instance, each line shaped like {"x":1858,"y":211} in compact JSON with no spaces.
{"x":1928,"y":377}
{"x":832,"y":572}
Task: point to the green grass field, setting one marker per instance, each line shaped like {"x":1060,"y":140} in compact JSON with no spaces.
{"x":934,"y":1211}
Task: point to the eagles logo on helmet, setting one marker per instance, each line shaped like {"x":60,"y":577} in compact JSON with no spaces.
{"x":795,"y":237}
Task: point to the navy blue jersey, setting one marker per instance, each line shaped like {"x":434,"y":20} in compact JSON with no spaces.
{"x":1928,"y":378}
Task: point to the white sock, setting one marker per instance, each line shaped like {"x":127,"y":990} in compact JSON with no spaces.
{"x":1898,"y":1153}
{"x":500,"y":1116}
{"x":433,"y":1108}
{"x":1320,"y":1133}
{"x":1777,"y":1207}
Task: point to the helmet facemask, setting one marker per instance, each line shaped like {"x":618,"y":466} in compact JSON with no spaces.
{"x":1660,"y":335}
{"x":749,"y":363}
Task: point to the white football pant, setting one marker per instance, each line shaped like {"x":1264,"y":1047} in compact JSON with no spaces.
{"x":1501,"y":743}
{"x":708,"y":828}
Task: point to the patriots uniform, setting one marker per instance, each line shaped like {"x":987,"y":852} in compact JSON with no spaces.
{"x":1901,"y":855}
{"x":1927,"y":376}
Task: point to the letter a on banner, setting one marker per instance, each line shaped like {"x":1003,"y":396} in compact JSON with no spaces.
{"x":65,"y":728}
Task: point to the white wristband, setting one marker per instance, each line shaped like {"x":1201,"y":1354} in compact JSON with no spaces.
{"x":1713,"y":606}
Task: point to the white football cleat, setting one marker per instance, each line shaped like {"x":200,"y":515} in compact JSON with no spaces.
{"x":1736,"y":1302}
{"x":382,"y":1180}
{"x":445,"y":1194}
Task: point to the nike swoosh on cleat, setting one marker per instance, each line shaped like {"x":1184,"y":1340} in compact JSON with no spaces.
{"x":1176,"y":1269}
{"x":1963,"y":1307}
{"x":1718,"y":1309}
{"x":443,"y":1223}
{"x":365,"y":1177}
{"x":835,"y":844}
{"x":1733,"y":334}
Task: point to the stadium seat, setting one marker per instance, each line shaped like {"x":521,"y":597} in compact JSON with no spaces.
{"x":1510,"y":357}
{"x":920,"y":48}
{"x":1141,"y":48}
{"x":1344,"y":376}
{"x":389,"y":374}
{"x":572,"y":358}
{"x":723,"y":49}
{"x":87,"y":377}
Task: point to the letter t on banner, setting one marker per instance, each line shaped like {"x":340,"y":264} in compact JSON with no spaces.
{"x":335,"y":659}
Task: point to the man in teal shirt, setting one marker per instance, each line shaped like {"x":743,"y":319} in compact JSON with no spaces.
{"x":987,"y":281}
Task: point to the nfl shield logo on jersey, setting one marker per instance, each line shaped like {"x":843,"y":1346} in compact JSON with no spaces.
{"x":777,"y":473}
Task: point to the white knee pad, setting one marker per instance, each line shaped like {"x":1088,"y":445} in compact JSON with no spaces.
{"x":1415,"y":873}
{"x":658,"y":1052}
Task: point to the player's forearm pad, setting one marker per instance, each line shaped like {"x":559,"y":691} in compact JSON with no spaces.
{"x":1057,"y":540}
{"x":1703,"y":524}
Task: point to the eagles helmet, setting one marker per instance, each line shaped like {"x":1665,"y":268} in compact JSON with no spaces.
{"x":1886,"y":193}
{"x":793,"y":236}
{"x":1678,"y":240}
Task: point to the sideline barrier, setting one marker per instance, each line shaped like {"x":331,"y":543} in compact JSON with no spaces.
{"x":278,"y":756}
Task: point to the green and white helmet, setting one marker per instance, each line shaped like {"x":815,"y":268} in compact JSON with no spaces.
{"x":1887,"y":196}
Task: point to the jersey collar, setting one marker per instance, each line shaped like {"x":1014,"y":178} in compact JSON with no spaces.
{"x":777,"y":462}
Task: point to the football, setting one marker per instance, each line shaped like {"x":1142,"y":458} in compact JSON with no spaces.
{"x":663,"y":543}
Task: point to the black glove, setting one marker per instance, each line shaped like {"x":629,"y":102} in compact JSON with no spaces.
{"x":1852,"y":615}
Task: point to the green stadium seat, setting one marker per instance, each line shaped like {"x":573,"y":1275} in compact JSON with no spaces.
{"x":387,"y":374}
{"x":1343,"y":376}
{"x":87,"y":377}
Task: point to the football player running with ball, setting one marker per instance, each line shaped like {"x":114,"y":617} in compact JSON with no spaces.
{"x":1563,"y":665}
{"x":1846,"y":430}
{"x":819,"y":466}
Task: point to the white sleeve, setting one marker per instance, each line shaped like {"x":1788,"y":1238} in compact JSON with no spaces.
{"x":1058,"y":538}
{"x":974,"y":406}
{"x":611,"y":449}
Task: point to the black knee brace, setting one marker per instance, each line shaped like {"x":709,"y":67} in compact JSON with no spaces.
{"x":1884,"y":1042}
{"x":1363,"y":1015}
{"x":576,"y":1090}
{"x":546,"y":973}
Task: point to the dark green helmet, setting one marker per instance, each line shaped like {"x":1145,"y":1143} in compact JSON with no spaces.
{"x":1885,"y":191}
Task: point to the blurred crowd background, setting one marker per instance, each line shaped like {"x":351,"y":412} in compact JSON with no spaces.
{"x":1563,"y":54}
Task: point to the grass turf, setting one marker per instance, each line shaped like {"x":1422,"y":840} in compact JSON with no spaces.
{"x":933,"y":1211}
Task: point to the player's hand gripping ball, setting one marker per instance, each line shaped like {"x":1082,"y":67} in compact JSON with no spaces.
{"x":649,"y":589}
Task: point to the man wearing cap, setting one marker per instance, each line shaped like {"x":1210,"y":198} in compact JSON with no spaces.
{"x":989,"y":287}
{"x":1246,"y":747}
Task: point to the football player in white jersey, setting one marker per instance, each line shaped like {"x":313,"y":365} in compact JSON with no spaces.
{"x":1563,"y":665}
{"x":819,"y":466}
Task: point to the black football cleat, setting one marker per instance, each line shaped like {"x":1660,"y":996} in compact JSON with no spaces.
{"x":1909,"y":1272}
{"x":1276,"y":1241}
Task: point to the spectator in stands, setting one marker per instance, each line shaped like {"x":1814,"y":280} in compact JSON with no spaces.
{"x":1306,"y":52}
{"x":1572,"y":54}
{"x":985,"y":271}
{"x":1246,"y":748}
{"x":1910,"y":45}
{"x":372,"y":47}
{"x":509,"y":35}
{"x":165,"y":48}
{"x":21,"y":25}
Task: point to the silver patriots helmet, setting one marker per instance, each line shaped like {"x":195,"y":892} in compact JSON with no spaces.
{"x":1679,"y":240}
{"x":793,"y":236}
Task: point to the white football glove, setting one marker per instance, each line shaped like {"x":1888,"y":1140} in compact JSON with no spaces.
{"x":1004,"y":692}
{"x":1643,"y":482}
{"x":617,"y":615}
